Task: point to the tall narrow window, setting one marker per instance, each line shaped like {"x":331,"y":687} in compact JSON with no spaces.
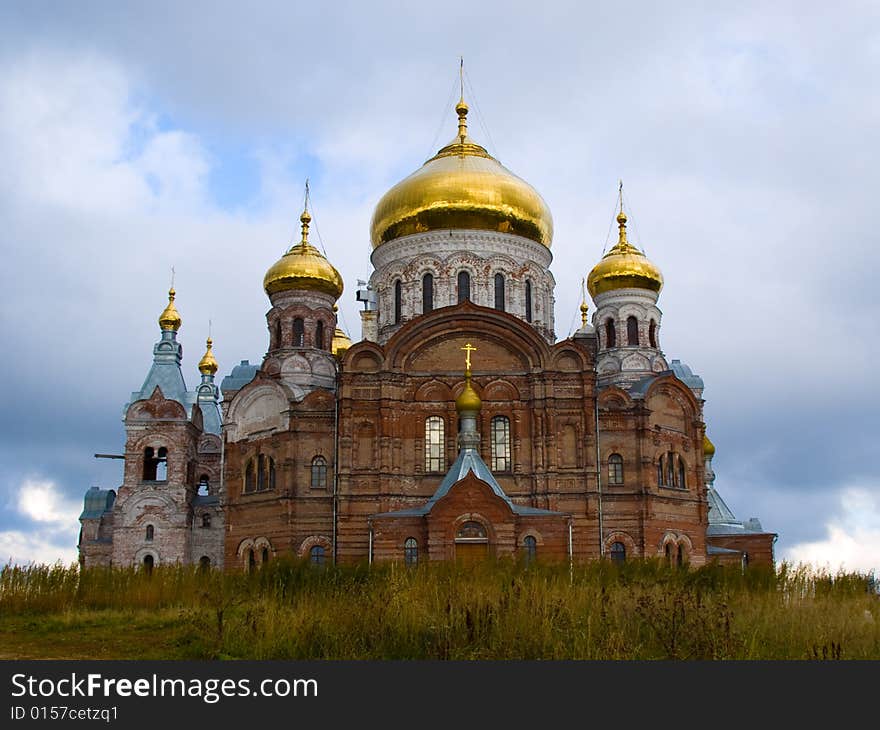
{"x":278,"y":333}
{"x":299,"y":333}
{"x":319,"y":473}
{"x":261,"y":472}
{"x":667,"y":553}
{"x":679,"y":560}
{"x":632,"y":331}
{"x":398,"y":300}
{"x":670,"y":469}
{"x":652,"y":334}
{"x":615,"y":469}
{"x":319,"y":335}
{"x":610,"y":334}
{"x":411,"y":551}
{"x":206,"y":520}
{"x":251,"y":562}
{"x":528,"y":301}
{"x":531,"y":548}
{"x":434,"y":444}
{"x":250,"y":483}
{"x":148,"y":564}
{"x":265,"y":556}
{"x":427,"y":293}
{"x":149,"y":464}
{"x":500,"y":443}
{"x":316,"y":555}
{"x":682,"y":483}
{"x":150,"y":532}
{"x":660,"y":471}
{"x":618,"y":552}
{"x":162,"y":464}
{"x":464,"y":286}
{"x":271,"y":461}
{"x":499,"y":292}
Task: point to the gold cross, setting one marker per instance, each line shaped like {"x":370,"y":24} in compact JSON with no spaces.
{"x":468,"y":348}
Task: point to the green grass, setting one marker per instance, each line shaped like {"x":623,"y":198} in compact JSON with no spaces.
{"x":289,"y":610}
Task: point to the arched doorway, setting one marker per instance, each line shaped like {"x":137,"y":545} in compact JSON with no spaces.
{"x":471,"y":542}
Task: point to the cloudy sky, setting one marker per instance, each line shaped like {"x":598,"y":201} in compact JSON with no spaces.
{"x":139,"y":136}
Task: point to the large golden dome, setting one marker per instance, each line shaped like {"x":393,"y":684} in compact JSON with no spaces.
{"x":624,"y":267}
{"x":463,"y":187}
{"x":303,"y":267}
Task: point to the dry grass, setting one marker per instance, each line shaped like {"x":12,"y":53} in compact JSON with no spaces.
{"x":290,"y":610}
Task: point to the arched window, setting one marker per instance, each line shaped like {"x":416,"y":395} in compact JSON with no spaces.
{"x":615,"y":469}
{"x":148,"y":564}
{"x":278,"y":333}
{"x":261,"y":472}
{"x":149,"y":464}
{"x":316,"y":555}
{"x":499,"y":292}
{"x":435,"y":458}
{"x":149,"y":534}
{"x":299,"y":332}
{"x":203,"y":484}
{"x":398,"y":300}
{"x":271,"y":472}
{"x":265,"y":556}
{"x":652,"y":334}
{"x":319,"y":335}
{"x":471,"y":530}
{"x":319,"y":473}
{"x":250,"y":483}
{"x":670,"y":469}
{"x":528,"y":301}
{"x":531,"y":548}
{"x":679,"y":559}
{"x":610,"y":334}
{"x":660,"y":472}
{"x":667,"y":553}
{"x":632,"y":331}
{"x":204,"y":563}
{"x":618,"y":552}
{"x":206,"y":520}
{"x":427,"y":293}
{"x":500,"y":443}
{"x":162,"y":464}
{"x":682,"y":482}
{"x":251,"y":561}
{"x":464,"y":286}
{"x":411,"y":551}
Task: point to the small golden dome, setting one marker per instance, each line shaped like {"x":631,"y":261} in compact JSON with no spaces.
{"x":340,"y":343}
{"x":624,"y":267}
{"x":462,"y":187}
{"x":208,"y":365}
{"x":303,"y":267}
{"x":708,"y":446}
{"x":468,"y":400}
{"x":170,"y":319}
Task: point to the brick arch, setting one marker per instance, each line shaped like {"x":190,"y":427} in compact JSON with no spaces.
{"x":615,"y":398}
{"x":311,"y":541}
{"x":501,"y":390}
{"x":143,"y":552}
{"x":529,"y":532}
{"x":433,"y":391}
{"x":365,"y":357}
{"x":632,"y":550}
{"x":473,"y":517}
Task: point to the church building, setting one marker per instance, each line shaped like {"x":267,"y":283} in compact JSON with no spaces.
{"x":457,"y":428}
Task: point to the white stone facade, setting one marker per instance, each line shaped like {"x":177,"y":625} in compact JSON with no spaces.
{"x":444,"y":254}
{"x":622,"y":363}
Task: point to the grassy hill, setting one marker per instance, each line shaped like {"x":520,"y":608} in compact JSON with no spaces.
{"x":290,"y":610}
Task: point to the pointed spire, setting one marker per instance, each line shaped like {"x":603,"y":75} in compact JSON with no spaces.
{"x":461,"y":108}
{"x":584,"y":307}
{"x":170,"y":319}
{"x":208,"y":365}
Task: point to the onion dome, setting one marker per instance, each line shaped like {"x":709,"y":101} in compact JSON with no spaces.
{"x":340,"y":342}
{"x":624,"y":267}
{"x":303,"y":267}
{"x":208,"y":365}
{"x":708,"y":447}
{"x":462,"y":187}
{"x":170,"y":319}
{"x":468,"y":400}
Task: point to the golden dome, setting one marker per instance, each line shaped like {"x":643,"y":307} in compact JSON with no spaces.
{"x":208,"y":365}
{"x":340,"y":343}
{"x":468,"y":400}
{"x":462,"y":187}
{"x":170,"y":319}
{"x":624,"y":267}
{"x":708,"y":446}
{"x":303,"y":267}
